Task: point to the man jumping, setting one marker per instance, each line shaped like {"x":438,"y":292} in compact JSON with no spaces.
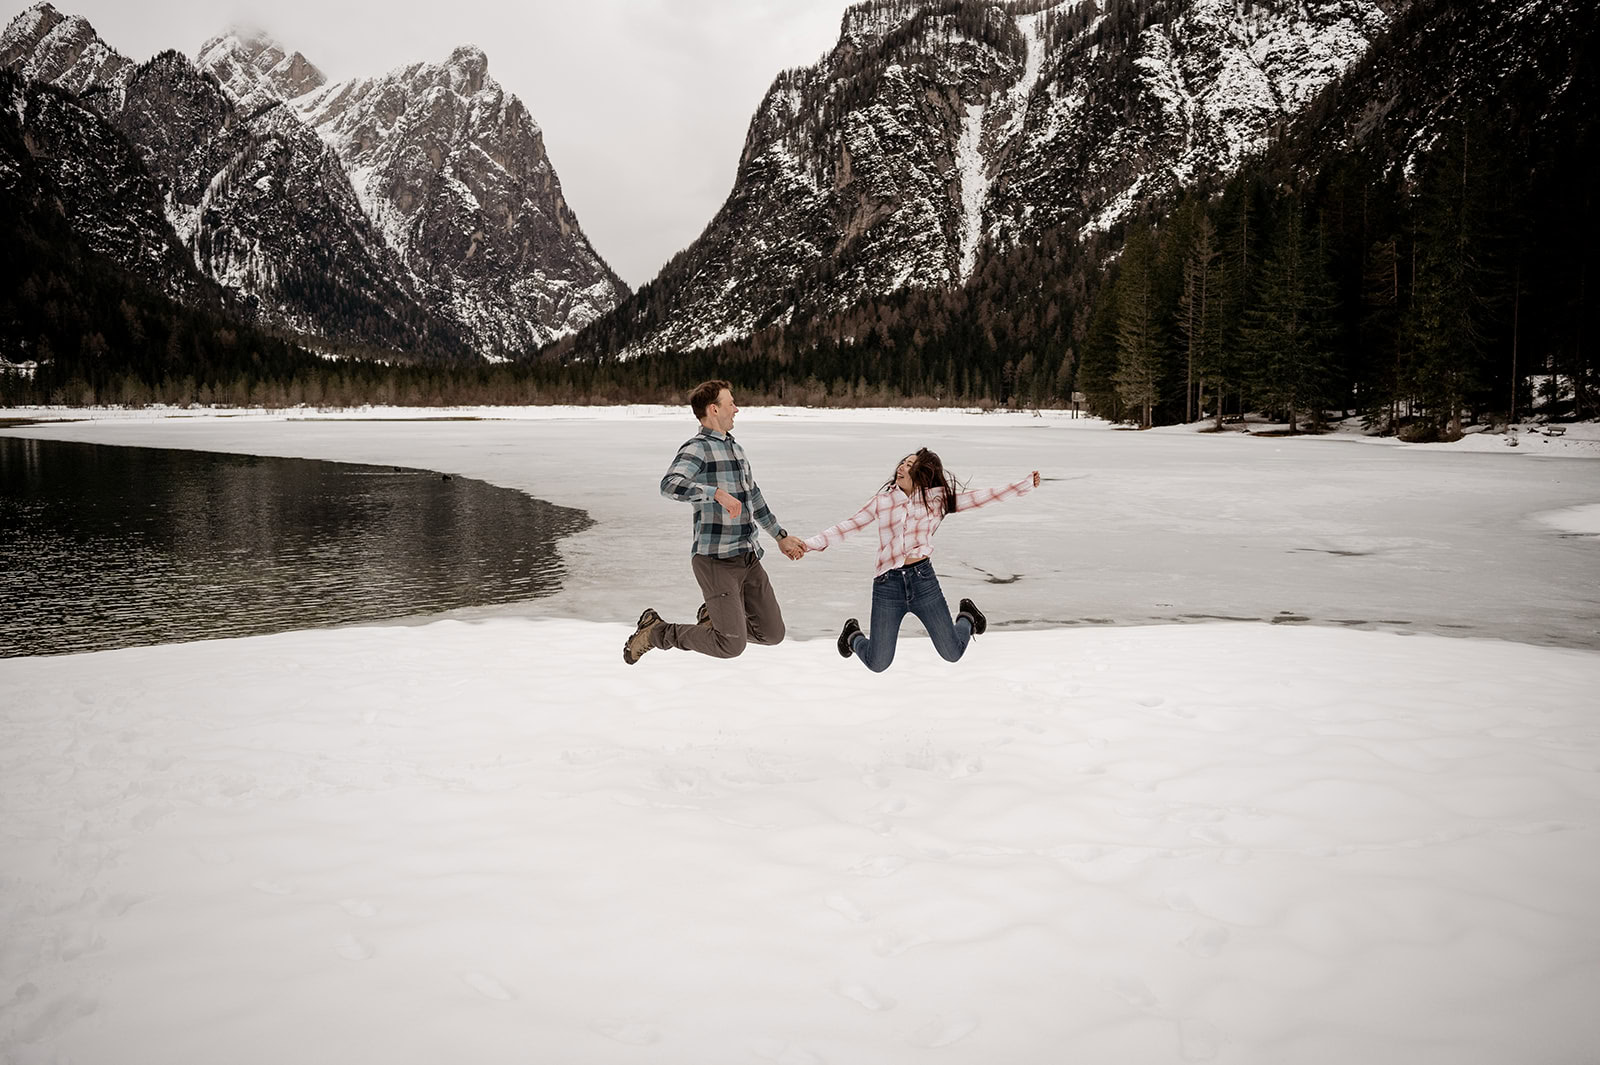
{"x":712,"y":472}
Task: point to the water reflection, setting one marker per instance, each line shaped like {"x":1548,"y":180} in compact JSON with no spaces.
{"x":106,"y":547}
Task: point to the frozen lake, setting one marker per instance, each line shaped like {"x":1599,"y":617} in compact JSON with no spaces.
{"x":1128,"y":528}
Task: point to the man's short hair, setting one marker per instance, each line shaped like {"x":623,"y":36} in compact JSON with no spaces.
{"x":705,"y":393}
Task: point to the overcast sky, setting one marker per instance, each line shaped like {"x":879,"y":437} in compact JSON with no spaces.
{"x":643,"y":103}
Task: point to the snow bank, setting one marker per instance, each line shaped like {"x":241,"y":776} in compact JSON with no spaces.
{"x":494,"y":841}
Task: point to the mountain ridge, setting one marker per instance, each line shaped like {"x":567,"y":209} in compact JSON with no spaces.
{"x":482,"y":254}
{"x":935,"y":133}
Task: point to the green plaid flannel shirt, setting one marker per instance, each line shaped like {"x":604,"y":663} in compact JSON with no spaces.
{"x":706,"y":462}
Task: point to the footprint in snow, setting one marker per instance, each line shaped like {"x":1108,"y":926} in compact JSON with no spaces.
{"x":1207,"y":941}
{"x":1210,"y":834}
{"x":152,"y":815}
{"x":352,"y":949}
{"x":781,"y":1053}
{"x":845,"y":908}
{"x":487,"y":986}
{"x":119,"y":904}
{"x":894,"y":944}
{"x":1134,"y":991}
{"x":1198,"y":1040}
{"x":943,"y":1030}
{"x":634,"y":1033}
{"x":864,"y":996}
{"x":880,"y":866}
{"x":956,"y":767}
{"x":358,"y":908}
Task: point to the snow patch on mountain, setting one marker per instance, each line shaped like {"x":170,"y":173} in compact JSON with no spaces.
{"x":452,"y":171}
{"x":42,"y":44}
{"x":972,"y":169}
{"x":255,"y":70}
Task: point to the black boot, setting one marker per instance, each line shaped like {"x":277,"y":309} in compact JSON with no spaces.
{"x":851,"y":628}
{"x":970,"y":611}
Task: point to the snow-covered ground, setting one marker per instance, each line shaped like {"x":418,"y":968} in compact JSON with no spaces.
{"x":486,"y":839}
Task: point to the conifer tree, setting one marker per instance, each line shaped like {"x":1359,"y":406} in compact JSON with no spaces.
{"x":1239,"y":236}
{"x":1289,"y":330}
{"x":1140,"y":336}
{"x":1444,"y":325}
{"x":1380,"y":333}
{"x":1199,"y":320}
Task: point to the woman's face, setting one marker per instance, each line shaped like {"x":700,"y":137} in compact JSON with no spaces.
{"x":902,"y":474}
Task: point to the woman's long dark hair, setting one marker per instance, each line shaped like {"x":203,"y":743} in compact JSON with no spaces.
{"x":928,"y":472}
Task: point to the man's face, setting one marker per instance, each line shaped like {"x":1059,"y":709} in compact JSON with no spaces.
{"x":720,"y":414}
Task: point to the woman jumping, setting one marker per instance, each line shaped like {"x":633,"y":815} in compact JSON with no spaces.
{"x":908,"y":510}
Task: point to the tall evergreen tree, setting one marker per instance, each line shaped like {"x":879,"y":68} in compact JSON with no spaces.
{"x":1239,"y":233}
{"x":1380,"y":334}
{"x":1289,"y":330}
{"x":1444,"y":326}
{"x":1200,"y":318}
{"x":1140,"y":336}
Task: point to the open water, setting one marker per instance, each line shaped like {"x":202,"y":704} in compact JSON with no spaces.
{"x":104,"y":546}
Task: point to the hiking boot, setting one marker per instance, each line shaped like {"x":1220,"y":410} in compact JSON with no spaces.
{"x":970,"y":611}
{"x":641,"y":640}
{"x":851,"y":629}
{"x":703,"y":615}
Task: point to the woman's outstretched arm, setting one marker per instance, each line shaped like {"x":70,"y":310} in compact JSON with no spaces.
{"x":982,"y":497}
{"x":836,"y":534}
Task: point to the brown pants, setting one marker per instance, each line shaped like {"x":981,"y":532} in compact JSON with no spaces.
{"x":742,"y":606}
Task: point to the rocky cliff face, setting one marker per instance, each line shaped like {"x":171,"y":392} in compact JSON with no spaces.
{"x":1130,"y":110}
{"x":266,"y":209}
{"x":936,"y":132}
{"x":453,"y":171}
{"x":42,"y":44}
{"x":255,"y":70}
{"x":258,"y":203}
{"x":67,"y":159}
{"x":452,"y":238}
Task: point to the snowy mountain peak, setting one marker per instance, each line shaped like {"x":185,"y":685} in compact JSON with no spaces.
{"x":452,"y":170}
{"x":42,"y":44}
{"x":255,"y":69}
{"x":32,"y":24}
{"x":469,"y":70}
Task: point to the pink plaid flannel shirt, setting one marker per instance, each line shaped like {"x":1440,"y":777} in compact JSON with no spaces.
{"x":905,"y":526}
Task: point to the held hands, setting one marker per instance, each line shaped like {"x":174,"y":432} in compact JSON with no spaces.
{"x":1036,"y":478}
{"x":793,"y":547}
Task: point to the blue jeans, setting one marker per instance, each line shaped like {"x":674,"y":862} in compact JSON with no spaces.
{"x":915,"y":590}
